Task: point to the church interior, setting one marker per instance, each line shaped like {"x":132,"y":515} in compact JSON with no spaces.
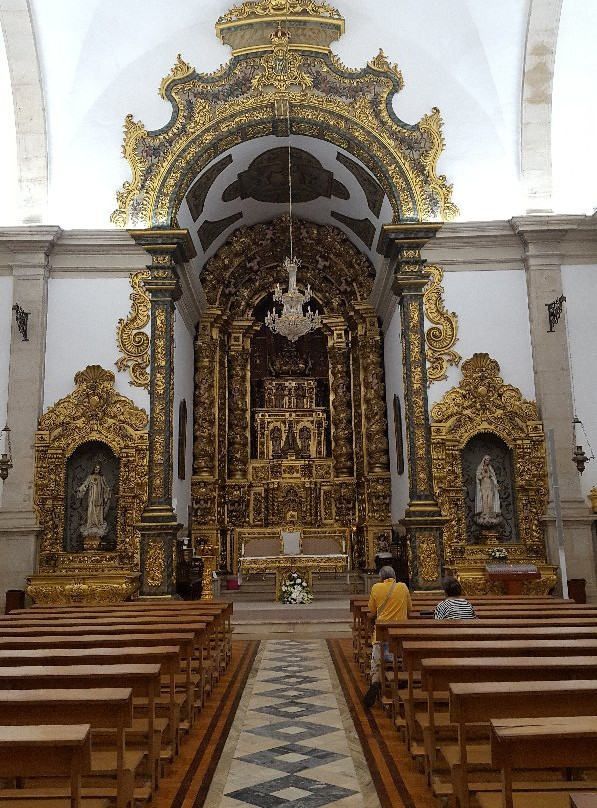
{"x":291,"y":292}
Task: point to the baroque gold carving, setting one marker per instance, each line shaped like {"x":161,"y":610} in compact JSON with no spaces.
{"x":374,"y":413}
{"x":269,"y":8}
{"x":155,"y":563}
{"x":282,"y":69}
{"x":483,"y":403}
{"x":427,"y":557}
{"x":64,"y":590}
{"x":94,"y":411}
{"x":443,"y":333}
{"x":133,"y":342}
{"x":159,"y":404}
{"x":212,"y":114}
{"x":418,"y":397}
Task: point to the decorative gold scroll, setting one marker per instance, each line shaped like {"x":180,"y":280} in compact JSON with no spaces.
{"x":443,"y":334}
{"x":133,"y":342}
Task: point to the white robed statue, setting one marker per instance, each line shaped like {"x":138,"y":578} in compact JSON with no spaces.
{"x":488,"y":512}
{"x":98,"y":501}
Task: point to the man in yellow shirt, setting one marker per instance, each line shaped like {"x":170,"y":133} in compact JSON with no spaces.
{"x":389,"y":600}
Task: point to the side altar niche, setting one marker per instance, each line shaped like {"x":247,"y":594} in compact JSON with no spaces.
{"x":490,"y":479}
{"x":90,"y":488}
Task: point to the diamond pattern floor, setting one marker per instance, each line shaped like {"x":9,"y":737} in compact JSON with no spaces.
{"x":292,"y":750}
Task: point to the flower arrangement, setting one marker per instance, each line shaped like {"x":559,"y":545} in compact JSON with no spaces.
{"x":498,"y":554}
{"x":295,"y":589}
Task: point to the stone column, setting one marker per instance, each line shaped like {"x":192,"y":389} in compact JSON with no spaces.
{"x":542,"y":239}
{"x":28,"y":259}
{"x":402,"y":245}
{"x":159,"y":525}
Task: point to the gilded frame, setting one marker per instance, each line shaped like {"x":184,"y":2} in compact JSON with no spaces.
{"x":94,"y":411}
{"x":482,"y":403}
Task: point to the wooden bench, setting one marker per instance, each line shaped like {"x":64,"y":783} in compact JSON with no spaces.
{"x":48,"y":751}
{"x":414,"y":653}
{"x":472,"y":705}
{"x":167,"y":657}
{"x":438,"y":674}
{"x":143,"y":679}
{"x":539,"y":743}
{"x":103,"y":709}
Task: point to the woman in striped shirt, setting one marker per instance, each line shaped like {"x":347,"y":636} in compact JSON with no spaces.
{"x":453,"y":607}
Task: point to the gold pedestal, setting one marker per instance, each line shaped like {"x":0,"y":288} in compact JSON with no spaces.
{"x":473,"y":581}
{"x":63,"y":589}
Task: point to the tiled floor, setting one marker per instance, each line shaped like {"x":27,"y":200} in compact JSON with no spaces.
{"x":293,"y":744}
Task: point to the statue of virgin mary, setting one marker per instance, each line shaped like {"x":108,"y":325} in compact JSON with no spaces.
{"x":487,"y":497}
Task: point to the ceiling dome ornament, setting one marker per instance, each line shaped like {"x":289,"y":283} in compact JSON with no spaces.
{"x":313,"y":95}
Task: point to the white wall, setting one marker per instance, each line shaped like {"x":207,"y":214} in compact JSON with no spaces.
{"x":395,"y":385}
{"x":580,"y":287}
{"x":6,"y":316}
{"x":493,"y":318}
{"x":82,"y":317}
{"x":183,"y":388}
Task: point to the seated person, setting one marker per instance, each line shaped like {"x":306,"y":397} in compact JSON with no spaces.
{"x":453,"y":607}
{"x":389,"y":600}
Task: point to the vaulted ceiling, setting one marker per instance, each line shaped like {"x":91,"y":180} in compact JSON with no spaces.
{"x":513,"y":80}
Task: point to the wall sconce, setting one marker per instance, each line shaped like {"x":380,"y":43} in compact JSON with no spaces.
{"x":6,"y":456}
{"x":22,"y":318}
{"x":579,"y":457}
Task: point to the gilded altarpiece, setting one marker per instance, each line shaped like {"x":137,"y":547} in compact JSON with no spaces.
{"x":288,"y":437}
{"x":93,"y":413}
{"x":484,"y":405}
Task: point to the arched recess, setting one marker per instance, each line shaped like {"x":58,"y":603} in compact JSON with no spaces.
{"x":285,"y":81}
{"x":482,"y":405}
{"x":238,"y":490}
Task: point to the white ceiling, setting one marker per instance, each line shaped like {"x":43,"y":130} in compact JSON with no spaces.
{"x":100,"y":60}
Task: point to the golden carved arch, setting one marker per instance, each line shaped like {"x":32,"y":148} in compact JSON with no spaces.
{"x":338,"y":272}
{"x":278,"y":76}
{"x":94,"y":411}
{"x":482,"y":403}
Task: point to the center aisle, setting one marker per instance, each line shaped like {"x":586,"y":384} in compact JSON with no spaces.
{"x":292,"y":743}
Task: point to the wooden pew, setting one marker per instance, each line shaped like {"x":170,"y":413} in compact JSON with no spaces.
{"x":48,"y":751}
{"x":414,"y":654}
{"x":476,"y":704}
{"x":167,"y":657}
{"x":143,"y":679}
{"x":102,"y":708}
{"x":200,"y":674}
{"x":438,"y":674}
{"x":204,"y":629}
{"x":539,"y":743}
{"x":185,"y":641}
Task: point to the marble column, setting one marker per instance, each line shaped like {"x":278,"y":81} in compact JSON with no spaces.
{"x":542,"y":239}
{"x":402,"y":245}
{"x":28,"y":259}
{"x":159,"y":525}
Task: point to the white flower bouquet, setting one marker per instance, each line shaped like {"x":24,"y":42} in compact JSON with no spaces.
{"x":498,"y":554}
{"x":295,"y":589}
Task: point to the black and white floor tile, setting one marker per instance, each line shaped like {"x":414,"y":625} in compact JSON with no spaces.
{"x":292,"y":749}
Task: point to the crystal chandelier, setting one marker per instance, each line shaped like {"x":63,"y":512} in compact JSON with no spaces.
{"x":293,"y":322}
